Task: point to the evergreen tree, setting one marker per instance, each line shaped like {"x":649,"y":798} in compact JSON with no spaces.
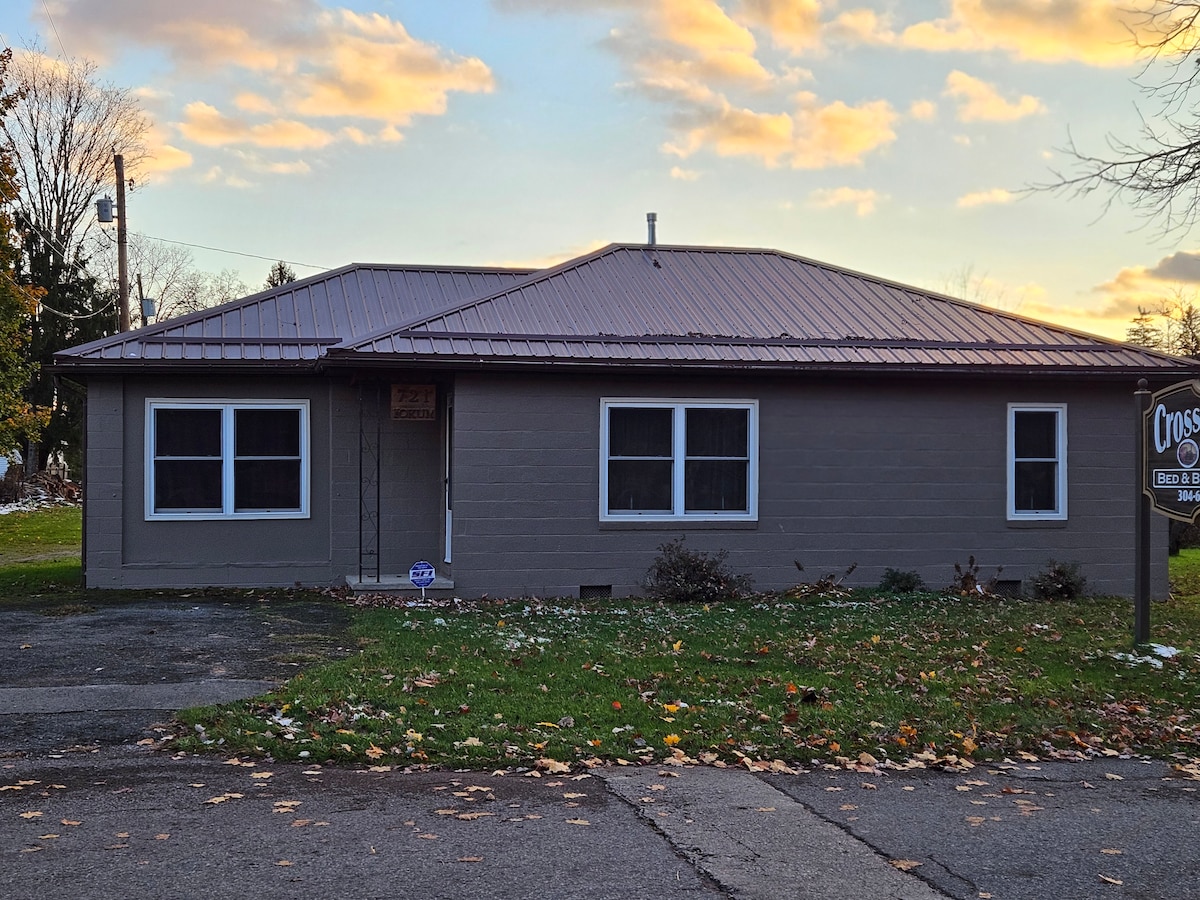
{"x":280,"y":273}
{"x":20,"y":420}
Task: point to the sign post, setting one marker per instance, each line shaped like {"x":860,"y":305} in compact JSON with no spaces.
{"x":421,"y":575}
{"x":1168,"y":460}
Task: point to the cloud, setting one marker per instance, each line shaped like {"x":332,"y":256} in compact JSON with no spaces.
{"x":979,"y":101}
{"x":681,"y":174}
{"x":1096,"y":32}
{"x":284,"y":61}
{"x":985,"y":198}
{"x":161,"y":155}
{"x":863,"y":201}
{"x":792,"y":24}
{"x":923,"y":110}
{"x":204,"y":124}
{"x":812,"y":137}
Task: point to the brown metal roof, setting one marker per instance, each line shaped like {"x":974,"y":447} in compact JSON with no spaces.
{"x":643,"y":305}
{"x":295,"y":322}
{"x":624,"y":305}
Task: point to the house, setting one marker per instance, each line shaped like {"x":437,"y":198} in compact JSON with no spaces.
{"x":544,"y":432}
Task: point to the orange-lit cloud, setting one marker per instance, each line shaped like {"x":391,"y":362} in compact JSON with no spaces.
{"x":985,"y":198}
{"x":285,"y":62}
{"x":863,"y":200}
{"x":979,"y":101}
{"x":792,"y":24}
{"x":812,"y":137}
{"x":1096,"y":32}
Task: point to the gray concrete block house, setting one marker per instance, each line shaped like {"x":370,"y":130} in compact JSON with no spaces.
{"x":544,"y":432}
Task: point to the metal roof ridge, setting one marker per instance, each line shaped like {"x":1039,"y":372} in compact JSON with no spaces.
{"x":153,"y":333}
{"x":533,"y":277}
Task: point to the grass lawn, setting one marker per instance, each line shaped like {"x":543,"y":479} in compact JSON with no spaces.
{"x":40,"y":552}
{"x":487,"y":684}
{"x":936,"y":677}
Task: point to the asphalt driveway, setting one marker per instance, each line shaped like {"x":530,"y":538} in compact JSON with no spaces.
{"x":103,"y":674}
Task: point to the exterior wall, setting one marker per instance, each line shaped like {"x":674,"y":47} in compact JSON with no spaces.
{"x":126,"y":551}
{"x":904,"y":473}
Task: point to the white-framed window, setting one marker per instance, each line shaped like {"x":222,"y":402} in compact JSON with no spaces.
{"x":227,"y":459}
{"x":1037,"y":461}
{"x":670,"y":460}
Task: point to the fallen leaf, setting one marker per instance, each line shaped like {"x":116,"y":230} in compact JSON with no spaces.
{"x":905,"y":865}
{"x":578,"y":822}
{"x":261,"y":774}
{"x":373,"y":752}
{"x":32,"y":814}
{"x":1108,"y":880}
{"x":71,"y":822}
{"x":471,"y":859}
{"x":1111,"y":852}
{"x":472,"y":816}
{"x":284,"y":862}
{"x":1111,"y":777}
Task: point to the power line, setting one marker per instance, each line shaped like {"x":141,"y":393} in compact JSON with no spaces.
{"x":54,"y":28}
{"x":290,"y":262}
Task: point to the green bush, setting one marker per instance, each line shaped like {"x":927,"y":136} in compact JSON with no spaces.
{"x":1059,"y":581}
{"x":896,"y":582}
{"x":679,"y":575}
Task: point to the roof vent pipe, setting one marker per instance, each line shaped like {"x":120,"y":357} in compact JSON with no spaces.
{"x":651,"y":219}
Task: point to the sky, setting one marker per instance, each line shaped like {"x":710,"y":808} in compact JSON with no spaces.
{"x":894,"y":138}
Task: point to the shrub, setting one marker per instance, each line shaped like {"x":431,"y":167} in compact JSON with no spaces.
{"x":896,"y":582}
{"x":679,"y":575}
{"x":966,"y":580}
{"x":1059,"y":581}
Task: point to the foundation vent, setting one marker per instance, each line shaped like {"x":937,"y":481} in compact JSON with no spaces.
{"x":595,"y":592}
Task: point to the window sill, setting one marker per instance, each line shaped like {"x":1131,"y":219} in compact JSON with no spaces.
{"x":675,"y":525}
{"x":1037,"y":523}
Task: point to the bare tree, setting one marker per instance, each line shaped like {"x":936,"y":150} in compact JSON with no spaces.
{"x":966,"y":284}
{"x":1158,"y":171}
{"x":202,"y":290}
{"x":1172,"y":326}
{"x":63,"y":133}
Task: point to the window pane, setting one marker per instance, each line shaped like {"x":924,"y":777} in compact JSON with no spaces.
{"x":639,"y":486}
{"x":266,"y":484}
{"x":1035,"y":434}
{"x":717,"y":432}
{"x":266,"y":432}
{"x":1036,"y":486}
{"x":639,"y":432}
{"x":187,"y":432}
{"x":187,"y":484}
{"x":715,"y":485}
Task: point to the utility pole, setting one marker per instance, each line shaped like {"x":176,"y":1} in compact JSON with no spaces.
{"x":122,"y":253}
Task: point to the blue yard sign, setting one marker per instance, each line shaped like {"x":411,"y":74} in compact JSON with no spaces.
{"x":421,"y":574}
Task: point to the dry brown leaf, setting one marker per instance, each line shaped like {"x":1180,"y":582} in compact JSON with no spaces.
{"x":471,"y":859}
{"x":578,"y":822}
{"x":1112,"y":852}
{"x":472,"y":816}
{"x":284,"y":862}
{"x":905,"y":865}
{"x":32,"y":814}
{"x":71,"y":822}
{"x":1108,"y":880}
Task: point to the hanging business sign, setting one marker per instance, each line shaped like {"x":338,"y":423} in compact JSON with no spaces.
{"x":414,"y":402}
{"x":1171,"y":451}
